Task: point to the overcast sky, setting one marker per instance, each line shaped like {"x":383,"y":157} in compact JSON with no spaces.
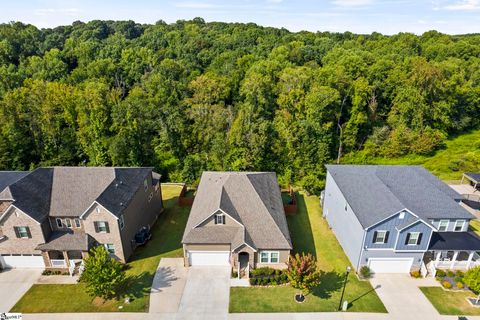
{"x":359,"y":16}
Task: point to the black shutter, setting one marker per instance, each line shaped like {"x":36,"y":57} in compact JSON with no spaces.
{"x":375,"y":237}
{"x":28,"y":232}
{"x":419,"y":238}
{"x":95,"y":223}
{"x":107,"y":229}
{"x":407,"y":238}
{"x":386,"y":236}
{"x":16,"y":232}
{"x":223,"y":219}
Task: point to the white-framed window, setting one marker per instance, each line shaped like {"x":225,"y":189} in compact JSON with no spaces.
{"x":145,"y":185}
{"x":380,"y":236}
{"x":101,"y":226}
{"x":443,"y":225}
{"x":459,"y":225}
{"x":110,"y":247}
{"x":413,"y":238}
{"x":121,"y":221}
{"x":77,"y":223}
{"x":22,"y":232}
{"x":68,"y":223}
{"x":150,"y":196}
{"x":269,"y":256}
{"x":220,"y":219}
{"x":401,"y":215}
{"x":59,"y":222}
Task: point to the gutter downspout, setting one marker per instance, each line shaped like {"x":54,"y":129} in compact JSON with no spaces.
{"x":361,"y":248}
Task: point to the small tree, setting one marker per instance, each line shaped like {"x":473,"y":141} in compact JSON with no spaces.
{"x":103,"y":274}
{"x":303,"y":272}
{"x":472,"y":280}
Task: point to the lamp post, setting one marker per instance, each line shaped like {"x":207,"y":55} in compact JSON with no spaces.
{"x":344,"y":285}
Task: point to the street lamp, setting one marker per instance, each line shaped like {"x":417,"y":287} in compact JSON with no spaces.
{"x":344,"y":285}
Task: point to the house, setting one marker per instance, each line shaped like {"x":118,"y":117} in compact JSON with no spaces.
{"x":52,"y":217}
{"x":237,"y":219}
{"x":395,"y":219}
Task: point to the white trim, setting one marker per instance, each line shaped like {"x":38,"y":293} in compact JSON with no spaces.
{"x":215,"y":212}
{"x":455,"y":225}
{"x":121,"y":221}
{"x":384,"y":236}
{"x":392,"y":259}
{"x":16,"y":208}
{"x":75,"y":223}
{"x":417,"y":234}
{"x":69,"y":222}
{"x":398,"y":212}
{"x":411,"y":250}
{"x":244,"y":243}
{"x":269,"y":256}
{"x":61,"y":223}
{"x":362,"y":248}
{"x":379,"y":249}
{"x":90,"y":207}
{"x":217,"y":216}
{"x":440,"y":222}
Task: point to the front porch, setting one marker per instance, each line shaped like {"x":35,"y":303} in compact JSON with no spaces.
{"x":452,"y":260}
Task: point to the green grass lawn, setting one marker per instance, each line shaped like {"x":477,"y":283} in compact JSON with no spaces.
{"x":310,"y":233}
{"x":449,"y":302}
{"x":461,"y":154}
{"x":167,"y":234}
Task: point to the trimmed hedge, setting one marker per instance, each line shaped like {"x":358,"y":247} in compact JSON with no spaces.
{"x":267,"y":277}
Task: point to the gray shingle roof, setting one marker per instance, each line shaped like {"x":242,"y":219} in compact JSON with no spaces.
{"x":6,"y":179}
{"x":251,"y":198}
{"x":377,"y":192}
{"x":65,"y":241}
{"x":474,"y":176}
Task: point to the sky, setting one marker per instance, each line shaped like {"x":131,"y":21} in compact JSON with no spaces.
{"x":358,"y":16}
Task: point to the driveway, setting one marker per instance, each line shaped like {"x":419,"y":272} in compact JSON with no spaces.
{"x":402,"y":297}
{"x":13,"y":285}
{"x":167,"y":286}
{"x":206,"y":294}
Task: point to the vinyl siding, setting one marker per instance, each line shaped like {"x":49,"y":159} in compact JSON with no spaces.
{"x":451,"y":224}
{"x":389,"y":225}
{"x":229,"y":221}
{"x":417,"y":227}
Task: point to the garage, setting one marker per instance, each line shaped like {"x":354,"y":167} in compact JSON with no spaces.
{"x":390,"y":265}
{"x":21,"y":261}
{"x":209,"y":258}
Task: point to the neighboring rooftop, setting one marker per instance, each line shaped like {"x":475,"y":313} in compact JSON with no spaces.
{"x":6,"y":179}
{"x":475,"y":177}
{"x":375,"y":192}
{"x":251,"y":198}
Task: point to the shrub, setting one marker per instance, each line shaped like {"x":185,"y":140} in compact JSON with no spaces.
{"x":263,"y":272}
{"x":459,"y":274}
{"x":446,"y":284}
{"x":365,"y":272}
{"x":450,"y":274}
{"x":253,"y":281}
{"x":472,"y":279}
{"x":46,"y":272}
{"x":440,"y":273}
{"x":459,"y":285}
{"x":459,"y":279}
{"x":439,"y":279}
{"x":234,"y":274}
{"x":415,"y":274}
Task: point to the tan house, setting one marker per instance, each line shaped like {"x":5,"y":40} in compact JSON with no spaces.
{"x":237,"y":219}
{"x":52,"y":217}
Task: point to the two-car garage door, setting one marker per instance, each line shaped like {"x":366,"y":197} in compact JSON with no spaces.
{"x":392,"y":265}
{"x":21,"y":261}
{"x":209,"y":258}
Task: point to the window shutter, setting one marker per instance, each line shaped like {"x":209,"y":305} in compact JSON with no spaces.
{"x":419,"y":238}
{"x":95,"y":223}
{"x":28,"y":232}
{"x":223,"y":219}
{"x":386,"y":236}
{"x":407,"y":238}
{"x":16,"y":232}
{"x":106,"y":227}
{"x":375,"y":237}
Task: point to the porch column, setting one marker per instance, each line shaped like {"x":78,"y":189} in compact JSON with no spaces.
{"x":437,"y":258}
{"x":65,"y":257}
{"x":454,"y":259}
{"x":470,"y":257}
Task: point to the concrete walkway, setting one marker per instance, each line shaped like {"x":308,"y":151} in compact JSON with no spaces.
{"x":167,"y":286}
{"x":13,"y":285}
{"x":57,"y":279}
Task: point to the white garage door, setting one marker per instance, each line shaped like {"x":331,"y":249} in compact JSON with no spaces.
{"x":23,"y":261}
{"x":209,"y":258}
{"x":383,"y":265}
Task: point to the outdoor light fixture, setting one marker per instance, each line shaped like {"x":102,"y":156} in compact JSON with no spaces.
{"x":344,"y":285}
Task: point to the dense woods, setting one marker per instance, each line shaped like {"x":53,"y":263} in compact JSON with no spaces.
{"x":194,"y":96}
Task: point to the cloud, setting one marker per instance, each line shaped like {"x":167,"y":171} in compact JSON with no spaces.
{"x":352,"y":3}
{"x":274,"y":1}
{"x":55,"y":11}
{"x":465,"y":5}
{"x":195,"y":5}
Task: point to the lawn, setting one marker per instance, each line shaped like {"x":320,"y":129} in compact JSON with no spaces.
{"x":449,"y":302}
{"x":461,"y":154}
{"x":167,"y":234}
{"x":310,"y":233}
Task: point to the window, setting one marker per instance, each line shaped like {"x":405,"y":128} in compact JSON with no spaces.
{"x":22,"y":232}
{"x":110,"y":247}
{"x":269,"y":257}
{"x":413,"y":238}
{"x":443,"y":225}
{"x":380,"y":236}
{"x":68,"y":223}
{"x":145,"y":184}
{"x":121,"y":221}
{"x":101,"y":226}
{"x":77,"y":223}
{"x":150,"y":196}
{"x":401,"y":215}
{"x":459,"y":225}
{"x":59,"y":222}
{"x":219,"y":219}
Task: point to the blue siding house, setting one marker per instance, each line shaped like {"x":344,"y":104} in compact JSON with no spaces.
{"x":395,"y":219}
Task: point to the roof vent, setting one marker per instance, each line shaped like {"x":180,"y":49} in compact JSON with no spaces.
{"x":121,"y":203}
{"x":116,"y":185}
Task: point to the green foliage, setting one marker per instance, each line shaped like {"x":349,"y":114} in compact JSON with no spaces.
{"x":440,"y":273}
{"x":450,"y":274}
{"x":472,"y":279}
{"x":415,"y":274}
{"x":303,"y":272}
{"x":103,"y":275}
{"x":365,"y":272}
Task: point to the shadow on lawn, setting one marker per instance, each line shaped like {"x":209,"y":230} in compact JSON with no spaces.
{"x":136,"y":286}
{"x":350,"y":304}
{"x":330,"y":282}
{"x":301,"y":229}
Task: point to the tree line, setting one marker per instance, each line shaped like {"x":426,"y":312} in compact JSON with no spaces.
{"x":193,"y":96}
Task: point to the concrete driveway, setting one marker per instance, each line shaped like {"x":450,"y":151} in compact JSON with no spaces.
{"x":13,"y":285}
{"x":206,"y":294}
{"x":402,"y":297}
{"x":167,"y":286}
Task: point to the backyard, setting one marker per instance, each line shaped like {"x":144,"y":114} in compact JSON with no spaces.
{"x":449,"y":302}
{"x":165,"y":242}
{"x":310,"y":233}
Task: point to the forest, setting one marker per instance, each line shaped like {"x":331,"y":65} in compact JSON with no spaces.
{"x":193,"y":96}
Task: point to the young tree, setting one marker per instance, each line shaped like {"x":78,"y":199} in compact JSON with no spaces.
{"x":303,"y":272}
{"x":103,"y":274}
{"x":472,"y":280}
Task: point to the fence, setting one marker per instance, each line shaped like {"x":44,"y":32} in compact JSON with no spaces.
{"x":291,"y":208}
{"x":184,"y":201}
